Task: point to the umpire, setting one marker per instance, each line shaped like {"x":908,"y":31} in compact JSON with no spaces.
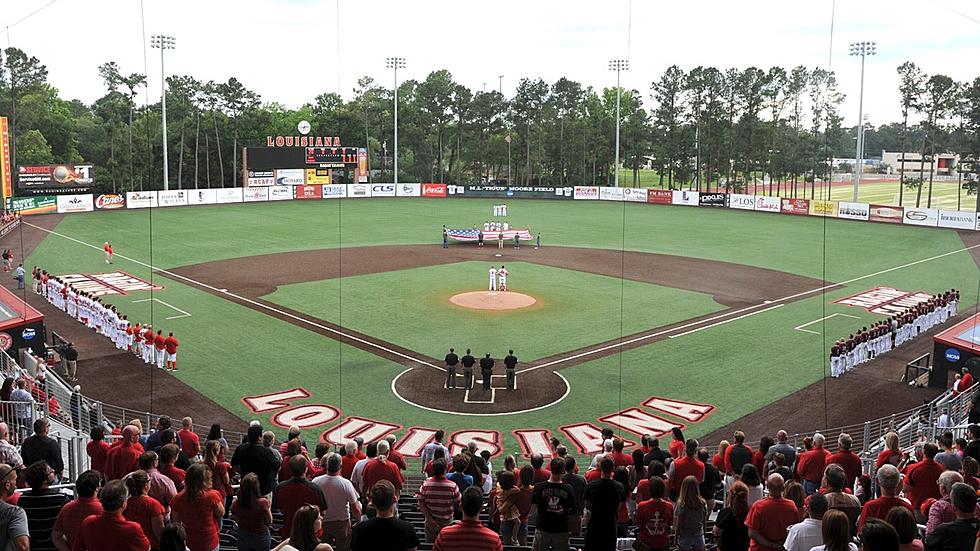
{"x":468,"y":362}
{"x":510,"y":362}
{"x":451,"y":360}
{"x":486,"y":370}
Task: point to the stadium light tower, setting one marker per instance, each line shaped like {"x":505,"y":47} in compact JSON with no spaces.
{"x":163,"y":42}
{"x":396,"y":63}
{"x":618,"y":65}
{"x":862,"y":49}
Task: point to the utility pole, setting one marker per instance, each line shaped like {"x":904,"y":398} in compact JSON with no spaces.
{"x":164,"y":42}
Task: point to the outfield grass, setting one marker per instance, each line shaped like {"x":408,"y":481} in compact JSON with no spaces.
{"x":574,"y":309}
{"x":721,"y":365}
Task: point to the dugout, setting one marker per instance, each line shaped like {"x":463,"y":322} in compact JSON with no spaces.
{"x":954,"y":349}
{"x":21,"y":326}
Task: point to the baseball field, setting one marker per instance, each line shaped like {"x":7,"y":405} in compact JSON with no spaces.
{"x":715,"y":312}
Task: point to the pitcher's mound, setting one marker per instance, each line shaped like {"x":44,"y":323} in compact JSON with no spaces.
{"x":492,"y":300}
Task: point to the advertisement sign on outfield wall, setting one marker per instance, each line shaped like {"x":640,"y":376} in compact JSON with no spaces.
{"x":280,"y":193}
{"x":382,"y":190}
{"x":957,"y":219}
{"x":689,"y":198}
{"x":172,"y":198}
{"x":256,"y":194}
{"x":358,"y":190}
{"x":434,"y":190}
{"x":207,"y":196}
{"x":317,"y":176}
{"x":309,"y":192}
{"x":634,"y":195}
{"x":885,"y":213}
{"x":590,"y":193}
{"x":408,"y":190}
{"x":38,"y":204}
{"x":711,"y":199}
{"x":921,"y":217}
{"x":75,"y":203}
{"x":794,"y":206}
{"x":228,"y":195}
{"x":261,"y":178}
{"x":741,"y":201}
{"x":767,"y":204}
{"x":853,"y":211}
{"x":110,"y":201}
{"x":141,"y":199}
{"x":660,"y":196}
{"x":611,"y":194}
{"x":333,"y":191}
{"x":290,"y":177}
{"x":453,"y":189}
{"x":820,"y":207}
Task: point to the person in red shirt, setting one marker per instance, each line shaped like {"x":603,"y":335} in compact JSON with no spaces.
{"x":619,"y":458}
{"x":769,"y":517}
{"x":170,"y":345}
{"x":190,"y":442}
{"x":124,"y":458}
{"x":70,"y":517}
{"x":891,"y":454}
{"x":737,"y":454}
{"x":199,"y":508}
{"x":168,"y":459}
{"x":540,"y":473}
{"x":654,"y":517}
{"x":890,"y":482}
{"x":107,"y":248}
{"x":759,"y":455}
{"x":109,"y":531}
{"x":848,"y":460}
{"x":349,"y":459}
{"x":810,"y":465}
{"x":676,"y":447}
{"x":964,"y":382}
{"x":382,"y":469}
{"x":469,"y":534}
{"x":160,"y":349}
{"x":148,"y":344}
{"x":296,"y":492}
{"x":686,"y":466}
{"x":922,"y":477}
{"x":719,"y":459}
{"x":143,"y":509}
{"x":97,"y":449}
{"x":395,"y":456}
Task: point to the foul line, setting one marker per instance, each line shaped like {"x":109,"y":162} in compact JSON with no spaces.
{"x":185,"y":314}
{"x":725,"y":321}
{"x":800,"y":327}
{"x":243,"y":299}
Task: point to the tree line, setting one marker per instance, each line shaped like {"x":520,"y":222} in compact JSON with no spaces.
{"x":706,"y":128}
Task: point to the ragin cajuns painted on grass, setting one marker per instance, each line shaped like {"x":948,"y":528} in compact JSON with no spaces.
{"x":585,"y":436}
{"x":885,"y":300}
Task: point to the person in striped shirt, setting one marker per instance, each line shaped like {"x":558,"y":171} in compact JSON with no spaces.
{"x":469,"y":534}
{"x":438,"y":498}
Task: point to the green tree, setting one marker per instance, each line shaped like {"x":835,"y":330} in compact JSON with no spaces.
{"x":910,"y":95}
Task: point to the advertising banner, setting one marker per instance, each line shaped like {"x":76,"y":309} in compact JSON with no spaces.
{"x":589,"y":193}
{"x":885,"y":213}
{"x":660,"y":196}
{"x":110,"y":201}
{"x":6,"y":174}
{"x":38,"y":204}
{"x":452,"y":189}
{"x":611,"y":194}
{"x":290,"y":177}
{"x":921,"y":217}
{"x":317,"y":176}
{"x":767,"y":204}
{"x":362,"y":165}
{"x":228,"y":195}
{"x":682,"y":197}
{"x":206,"y":196}
{"x":309,"y":192}
{"x":794,"y":206}
{"x":334,"y":191}
{"x":712,"y":199}
{"x":54,"y":179}
{"x":261,"y":178}
{"x":852,"y":211}
{"x":564,"y":192}
{"x":280,"y":193}
{"x":172,"y":198}
{"x":141,"y":199}
{"x":382,"y":190}
{"x":634,"y":195}
{"x":741,"y":201}
{"x":434,"y":190}
{"x":256,"y":194}
{"x":409,"y":190}
{"x":75,"y":203}
{"x":358,"y":190}
{"x":957,"y":219}
{"x":823,"y":208}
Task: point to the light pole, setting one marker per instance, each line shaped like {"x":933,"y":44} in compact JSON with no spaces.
{"x":396,"y":63}
{"x":500,"y":84}
{"x":618,"y":65}
{"x":163,"y":42}
{"x":862,"y":49}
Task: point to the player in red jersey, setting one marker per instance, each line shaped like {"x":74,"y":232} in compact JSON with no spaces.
{"x":160,"y":348}
{"x":108,"y":252}
{"x":171,"y":344}
{"x":148,"y":344}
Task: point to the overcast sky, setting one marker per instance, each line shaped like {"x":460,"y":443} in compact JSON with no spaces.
{"x":287,"y":50}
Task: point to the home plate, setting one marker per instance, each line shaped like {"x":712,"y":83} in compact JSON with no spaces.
{"x":767,"y":302}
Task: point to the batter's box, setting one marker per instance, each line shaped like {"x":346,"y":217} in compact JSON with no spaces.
{"x":493,"y":390}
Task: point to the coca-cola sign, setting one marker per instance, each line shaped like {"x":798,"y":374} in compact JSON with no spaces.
{"x":434,"y":190}
{"x":110,"y":201}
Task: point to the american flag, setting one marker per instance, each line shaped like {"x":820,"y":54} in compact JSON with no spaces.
{"x":473,"y":234}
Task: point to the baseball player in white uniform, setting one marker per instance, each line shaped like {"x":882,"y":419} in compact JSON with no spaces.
{"x":493,"y":278}
{"x":502,"y":277}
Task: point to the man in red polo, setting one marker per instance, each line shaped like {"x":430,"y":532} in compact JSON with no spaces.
{"x":110,"y":530}
{"x":769,"y":518}
{"x":124,"y":458}
{"x":380,"y":468}
{"x":292,"y":494}
{"x":848,"y":460}
{"x":190,"y":442}
{"x":469,"y":534}
{"x":148,"y":344}
{"x":619,"y":458}
{"x":811,"y":464}
{"x":922,"y":477}
{"x":70,"y":517}
{"x":890,"y":482}
{"x":685,"y":466}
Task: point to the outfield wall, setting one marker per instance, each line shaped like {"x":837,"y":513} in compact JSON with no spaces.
{"x":926,"y":217}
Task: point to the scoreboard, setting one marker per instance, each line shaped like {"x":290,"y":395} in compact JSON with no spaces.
{"x":331,"y":157}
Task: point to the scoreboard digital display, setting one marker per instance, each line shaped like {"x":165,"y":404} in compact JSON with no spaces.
{"x":331,"y":157}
